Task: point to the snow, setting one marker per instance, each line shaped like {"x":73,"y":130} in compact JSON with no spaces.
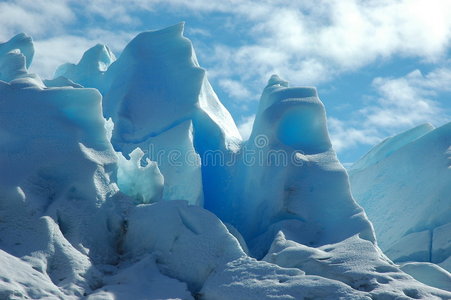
{"x":132,"y":208}
{"x":51,"y":205}
{"x":18,"y":280}
{"x":264,"y":281}
{"x":352,"y":261}
{"x":141,"y":280}
{"x":188,"y":242}
{"x":406,"y":194}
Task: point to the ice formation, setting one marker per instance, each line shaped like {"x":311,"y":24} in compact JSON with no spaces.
{"x":404,"y":185}
{"x":143,"y":209}
{"x":297,"y":166}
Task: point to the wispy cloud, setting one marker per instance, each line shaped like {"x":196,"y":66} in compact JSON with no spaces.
{"x":400,"y":104}
{"x":236,"y":89}
{"x":306,"y":42}
{"x":65,"y":48}
{"x":245,"y":126}
{"x":55,"y":51}
{"x":34,"y":17}
{"x":311,"y":43}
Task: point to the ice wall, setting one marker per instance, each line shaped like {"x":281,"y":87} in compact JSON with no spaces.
{"x":153,"y":92}
{"x":55,"y":181}
{"x":294,"y":182}
{"x":404,"y":186}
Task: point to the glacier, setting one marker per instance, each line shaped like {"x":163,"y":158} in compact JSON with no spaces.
{"x":404,"y":185}
{"x":126,"y":178}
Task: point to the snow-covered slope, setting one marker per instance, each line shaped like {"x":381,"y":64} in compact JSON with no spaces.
{"x":86,"y":222}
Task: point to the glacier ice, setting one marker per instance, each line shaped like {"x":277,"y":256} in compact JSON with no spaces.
{"x":21,"y":43}
{"x":404,"y":185}
{"x":142,"y":210}
{"x":156,"y":92}
{"x":90,"y":70}
{"x":143,"y":183}
{"x":429,"y":273}
{"x":294,"y":154}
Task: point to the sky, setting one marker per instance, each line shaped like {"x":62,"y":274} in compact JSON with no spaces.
{"x":380,"y":67}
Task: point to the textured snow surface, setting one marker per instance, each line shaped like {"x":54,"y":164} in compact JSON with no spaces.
{"x":132,"y":207}
{"x":404,"y":186}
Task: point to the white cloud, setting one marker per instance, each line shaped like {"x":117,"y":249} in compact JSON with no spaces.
{"x":401,"y":103}
{"x":245,"y":126}
{"x":34,"y":17}
{"x":53,"y":52}
{"x":304,"y":42}
{"x":235,"y":89}
{"x":310,"y":44}
{"x":345,"y":136}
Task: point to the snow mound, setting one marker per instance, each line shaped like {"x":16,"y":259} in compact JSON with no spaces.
{"x":20,"y":281}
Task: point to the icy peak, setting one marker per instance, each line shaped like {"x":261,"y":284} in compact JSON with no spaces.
{"x":99,"y":56}
{"x":22,"y":42}
{"x":89,"y":72}
{"x":297,"y":113}
{"x":276,"y":80}
{"x":15,"y":58}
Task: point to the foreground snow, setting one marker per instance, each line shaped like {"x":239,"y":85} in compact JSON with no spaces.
{"x":84,"y":221}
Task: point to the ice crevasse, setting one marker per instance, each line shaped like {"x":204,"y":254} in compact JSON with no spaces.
{"x":134,"y":207}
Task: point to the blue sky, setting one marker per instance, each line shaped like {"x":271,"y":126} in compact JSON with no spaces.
{"x":380,"y":67}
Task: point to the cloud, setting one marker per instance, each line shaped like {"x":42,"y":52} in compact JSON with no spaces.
{"x":52,"y":52}
{"x":235,"y":89}
{"x":65,"y":48}
{"x":34,"y":17}
{"x":401,"y":103}
{"x":311,"y":44}
{"x":345,"y":136}
{"x":408,"y":100}
{"x":245,"y":126}
{"x":305,"y":42}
